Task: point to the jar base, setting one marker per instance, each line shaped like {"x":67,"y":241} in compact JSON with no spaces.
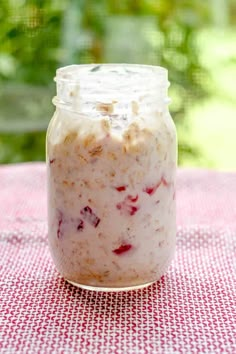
{"x":110,"y":289}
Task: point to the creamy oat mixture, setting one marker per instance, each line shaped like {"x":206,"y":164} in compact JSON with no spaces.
{"x":111,"y":185}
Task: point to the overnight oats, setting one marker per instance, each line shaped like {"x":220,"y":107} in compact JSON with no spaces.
{"x":111,"y":164}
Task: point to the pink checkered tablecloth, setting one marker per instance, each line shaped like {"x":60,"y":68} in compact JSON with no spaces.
{"x":192,"y":309}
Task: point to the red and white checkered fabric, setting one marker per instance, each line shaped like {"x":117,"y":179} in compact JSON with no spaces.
{"x":192,"y":309}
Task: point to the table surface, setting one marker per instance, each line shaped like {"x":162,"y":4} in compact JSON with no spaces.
{"x":192,"y":309}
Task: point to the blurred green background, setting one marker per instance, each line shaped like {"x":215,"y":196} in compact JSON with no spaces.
{"x":194,"y":39}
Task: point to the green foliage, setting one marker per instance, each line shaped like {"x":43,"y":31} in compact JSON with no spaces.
{"x":22,"y":147}
{"x":39,"y":36}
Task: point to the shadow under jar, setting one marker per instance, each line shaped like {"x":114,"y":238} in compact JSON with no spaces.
{"x":111,"y":165}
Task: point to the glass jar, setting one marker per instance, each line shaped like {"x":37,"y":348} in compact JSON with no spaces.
{"x":111,"y":165}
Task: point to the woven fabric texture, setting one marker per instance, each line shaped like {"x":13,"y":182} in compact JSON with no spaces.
{"x":192,"y":309}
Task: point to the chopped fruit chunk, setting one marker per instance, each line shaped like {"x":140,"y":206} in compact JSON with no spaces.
{"x":59,"y":228}
{"x":133,"y":209}
{"x":151,"y":190}
{"x":126,"y":205}
{"x":59,"y":224}
{"x":119,"y":206}
{"x":164,"y":182}
{"x":132,"y":199}
{"x":80,"y":226}
{"x":89,"y":216}
{"x":121,"y":188}
{"x":86,"y":210}
{"x":122,"y":249}
{"x":128,"y":209}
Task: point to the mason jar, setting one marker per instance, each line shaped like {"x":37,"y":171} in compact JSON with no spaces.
{"x":111,"y":165}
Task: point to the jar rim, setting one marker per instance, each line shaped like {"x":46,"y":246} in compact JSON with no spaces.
{"x":73,"y":73}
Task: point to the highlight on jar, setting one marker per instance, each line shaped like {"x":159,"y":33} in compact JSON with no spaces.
{"x":111,"y":166}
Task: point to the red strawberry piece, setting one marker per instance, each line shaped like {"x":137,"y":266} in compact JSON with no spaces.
{"x":90,"y":216}
{"x":121,"y":188}
{"x":127,"y":208}
{"x":149,"y":190}
{"x":133,"y":209}
{"x":126,"y":205}
{"x":119,"y":206}
{"x":123,"y":248}
{"x":80,"y":226}
{"x":164,"y":182}
{"x":59,"y":228}
{"x":152,"y":189}
{"x":59,"y":224}
{"x":132,"y":199}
